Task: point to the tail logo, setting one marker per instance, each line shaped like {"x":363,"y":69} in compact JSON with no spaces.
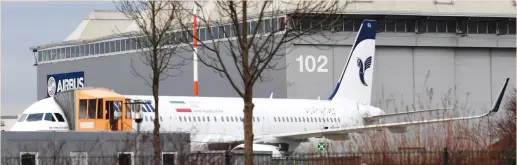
{"x":363,"y":67}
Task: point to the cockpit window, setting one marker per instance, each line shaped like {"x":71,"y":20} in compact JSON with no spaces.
{"x":49,"y":117}
{"x":59,"y":117}
{"x":35,"y":117}
{"x":22,"y":118}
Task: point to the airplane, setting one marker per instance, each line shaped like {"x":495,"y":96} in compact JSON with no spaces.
{"x":279,"y":124}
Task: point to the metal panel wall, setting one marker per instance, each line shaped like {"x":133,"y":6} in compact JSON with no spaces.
{"x":118,"y":73}
{"x":472,"y":80}
{"x":50,"y":144}
{"x":393,"y":87}
{"x":433,"y":76}
{"x":310,"y":71}
{"x":412,"y":77}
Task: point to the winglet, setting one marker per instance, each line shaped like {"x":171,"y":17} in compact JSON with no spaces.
{"x":497,"y":103}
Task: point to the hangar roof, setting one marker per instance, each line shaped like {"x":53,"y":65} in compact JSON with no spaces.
{"x":102,"y":24}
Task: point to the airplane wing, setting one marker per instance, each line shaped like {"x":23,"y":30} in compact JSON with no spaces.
{"x":373,"y":118}
{"x":345,"y":130}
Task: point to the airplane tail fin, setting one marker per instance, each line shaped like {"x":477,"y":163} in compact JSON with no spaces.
{"x":356,"y":78}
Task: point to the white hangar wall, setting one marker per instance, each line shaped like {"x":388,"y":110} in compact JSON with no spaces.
{"x":406,"y":75}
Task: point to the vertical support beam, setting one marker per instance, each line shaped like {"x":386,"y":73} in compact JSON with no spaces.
{"x":196,"y":88}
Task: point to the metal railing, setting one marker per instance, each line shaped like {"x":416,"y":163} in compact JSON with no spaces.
{"x":444,"y":157}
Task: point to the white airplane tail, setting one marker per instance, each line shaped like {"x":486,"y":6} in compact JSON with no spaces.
{"x":356,"y":78}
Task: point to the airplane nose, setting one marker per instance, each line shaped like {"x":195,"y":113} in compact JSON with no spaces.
{"x":15,"y":127}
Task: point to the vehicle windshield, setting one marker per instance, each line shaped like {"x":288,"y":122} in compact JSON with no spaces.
{"x":59,"y":117}
{"x":49,"y":117}
{"x":22,"y":118}
{"x":35,"y":117}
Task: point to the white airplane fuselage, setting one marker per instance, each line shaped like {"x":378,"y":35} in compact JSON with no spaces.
{"x":222,"y":117}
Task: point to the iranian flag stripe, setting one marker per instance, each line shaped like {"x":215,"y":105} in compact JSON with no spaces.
{"x":183,"y":110}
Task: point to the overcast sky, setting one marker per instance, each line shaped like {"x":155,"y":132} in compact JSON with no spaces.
{"x":26,"y":24}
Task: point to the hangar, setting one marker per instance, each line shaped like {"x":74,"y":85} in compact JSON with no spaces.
{"x":427,"y":51}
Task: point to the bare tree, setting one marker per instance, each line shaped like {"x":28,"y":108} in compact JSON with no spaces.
{"x":154,"y":20}
{"x":234,"y":45}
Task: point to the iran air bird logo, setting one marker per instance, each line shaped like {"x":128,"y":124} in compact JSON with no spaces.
{"x":363,"y":67}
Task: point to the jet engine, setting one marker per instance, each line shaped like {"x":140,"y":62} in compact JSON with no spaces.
{"x":261,"y":147}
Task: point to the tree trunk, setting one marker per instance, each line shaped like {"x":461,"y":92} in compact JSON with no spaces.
{"x":156,"y":131}
{"x":156,"y":83}
{"x":248,"y":127}
{"x":248,"y":93}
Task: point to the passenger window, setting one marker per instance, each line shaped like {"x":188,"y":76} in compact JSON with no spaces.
{"x":203,"y":118}
{"x":258,"y":119}
{"x":35,"y":117}
{"x":227,"y":119}
{"x":199,"y":119}
{"x":59,"y":117}
{"x":231,"y":118}
{"x":82,"y":108}
{"x":180,"y":118}
{"x":253,"y":119}
{"x":215,"y":119}
{"x":208,"y":119}
{"x":161,"y":119}
{"x":49,"y":117}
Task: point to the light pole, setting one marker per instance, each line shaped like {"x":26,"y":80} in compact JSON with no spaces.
{"x":138,"y":120}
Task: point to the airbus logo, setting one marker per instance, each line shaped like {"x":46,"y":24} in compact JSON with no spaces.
{"x":57,"y":83}
{"x":363,"y":67}
{"x":51,"y":86}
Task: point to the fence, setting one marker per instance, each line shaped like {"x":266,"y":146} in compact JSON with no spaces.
{"x":444,"y":157}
